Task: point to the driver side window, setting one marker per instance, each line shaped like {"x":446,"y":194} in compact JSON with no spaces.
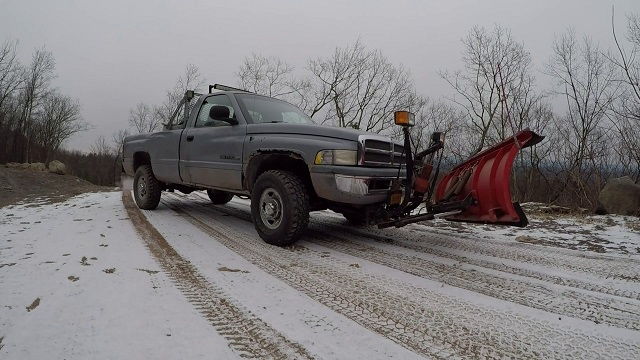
{"x":204,"y":120}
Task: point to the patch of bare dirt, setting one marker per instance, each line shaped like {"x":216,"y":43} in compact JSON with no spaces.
{"x":19,"y":185}
{"x":224,"y":268}
{"x":591,"y":243}
{"x":150,"y":272}
{"x":33,"y":305}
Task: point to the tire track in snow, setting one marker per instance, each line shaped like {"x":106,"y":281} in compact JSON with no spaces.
{"x":607,"y":267}
{"x":436,"y":245}
{"x":246,"y":333}
{"x":616,"y":312}
{"x":425,"y":321}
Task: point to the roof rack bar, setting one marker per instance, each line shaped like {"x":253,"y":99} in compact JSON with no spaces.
{"x":224,"y":88}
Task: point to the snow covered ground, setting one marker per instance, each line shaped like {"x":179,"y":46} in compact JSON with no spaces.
{"x":93,"y":277}
{"x":611,"y":234}
{"x":76,"y":282}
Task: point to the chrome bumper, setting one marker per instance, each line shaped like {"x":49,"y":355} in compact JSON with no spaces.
{"x":354,"y":185}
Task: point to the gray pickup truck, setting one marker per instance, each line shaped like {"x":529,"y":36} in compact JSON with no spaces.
{"x":239,"y":143}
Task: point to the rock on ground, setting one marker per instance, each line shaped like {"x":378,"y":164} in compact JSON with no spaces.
{"x":57,"y":167}
{"x":620,"y":196}
{"x":37,"y":166}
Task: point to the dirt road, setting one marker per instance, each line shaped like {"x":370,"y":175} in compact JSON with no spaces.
{"x":434,"y":293}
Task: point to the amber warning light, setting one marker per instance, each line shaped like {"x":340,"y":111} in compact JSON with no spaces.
{"x":404,"y":118}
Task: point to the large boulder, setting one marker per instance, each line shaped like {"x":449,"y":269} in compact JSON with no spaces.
{"x":57,"y":167}
{"x":37,"y":166}
{"x":620,"y":196}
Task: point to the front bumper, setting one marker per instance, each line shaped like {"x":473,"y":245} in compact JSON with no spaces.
{"x":352,"y":184}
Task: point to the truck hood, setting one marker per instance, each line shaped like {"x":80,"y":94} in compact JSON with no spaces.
{"x":305,"y":129}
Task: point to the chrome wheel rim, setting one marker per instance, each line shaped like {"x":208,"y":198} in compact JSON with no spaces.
{"x":142,"y":188}
{"x":271,"y":208}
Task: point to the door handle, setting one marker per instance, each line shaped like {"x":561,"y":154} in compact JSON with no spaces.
{"x":189,"y":137}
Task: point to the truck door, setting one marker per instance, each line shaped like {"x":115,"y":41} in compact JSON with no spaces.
{"x":212,"y":149}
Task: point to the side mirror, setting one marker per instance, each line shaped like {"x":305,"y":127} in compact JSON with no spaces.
{"x":222,"y":113}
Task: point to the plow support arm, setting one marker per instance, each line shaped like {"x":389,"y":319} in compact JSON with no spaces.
{"x":485,"y":178}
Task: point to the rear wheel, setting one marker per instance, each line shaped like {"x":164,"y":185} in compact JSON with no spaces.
{"x":219,"y":197}
{"x":146,"y":188}
{"x":279,"y":207}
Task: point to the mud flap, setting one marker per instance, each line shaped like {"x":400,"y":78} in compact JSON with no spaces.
{"x":485,"y":178}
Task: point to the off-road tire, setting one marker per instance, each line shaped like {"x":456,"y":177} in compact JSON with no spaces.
{"x":149,"y":197}
{"x":219,"y":197}
{"x":295,"y":207}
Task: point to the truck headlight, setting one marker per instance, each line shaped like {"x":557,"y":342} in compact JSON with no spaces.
{"x":337,"y":157}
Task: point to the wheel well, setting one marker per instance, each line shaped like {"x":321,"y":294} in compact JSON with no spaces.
{"x":277,"y":160}
{"x":140,"y":158}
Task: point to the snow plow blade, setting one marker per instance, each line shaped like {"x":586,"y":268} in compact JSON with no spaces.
{"x":483,"y":181}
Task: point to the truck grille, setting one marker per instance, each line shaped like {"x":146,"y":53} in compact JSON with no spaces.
{"x":382,"y":153}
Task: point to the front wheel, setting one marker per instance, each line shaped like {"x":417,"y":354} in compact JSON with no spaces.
{"x":146,"y":188}
{"x":279,"y":207}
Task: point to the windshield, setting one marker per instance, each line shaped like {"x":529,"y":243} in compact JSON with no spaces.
{"x":261,"y":109}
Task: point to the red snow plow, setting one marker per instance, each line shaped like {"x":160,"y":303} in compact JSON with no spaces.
{"x":478,"y":190}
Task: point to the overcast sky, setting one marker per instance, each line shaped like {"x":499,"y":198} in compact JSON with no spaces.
{"x":113,"y":54}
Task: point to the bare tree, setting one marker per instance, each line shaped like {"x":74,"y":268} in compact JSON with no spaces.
{"x":627,"y":146}
{"x":57,"y":121}
{"x":118,"y":139}
{"x":191,"y":79}
{"x":269,"y":76}
{"x":360,"y":88}
{"x":142,"y":119}
{"x":273,"y":77}
{"x":37,"y":81}
{"x":586,"y":81}
{"x":11,"y":76}
{"x":101,"y":147}
{"x":628,"y":63}
{"x":496,"y":79}
{"x":625,"y":115}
